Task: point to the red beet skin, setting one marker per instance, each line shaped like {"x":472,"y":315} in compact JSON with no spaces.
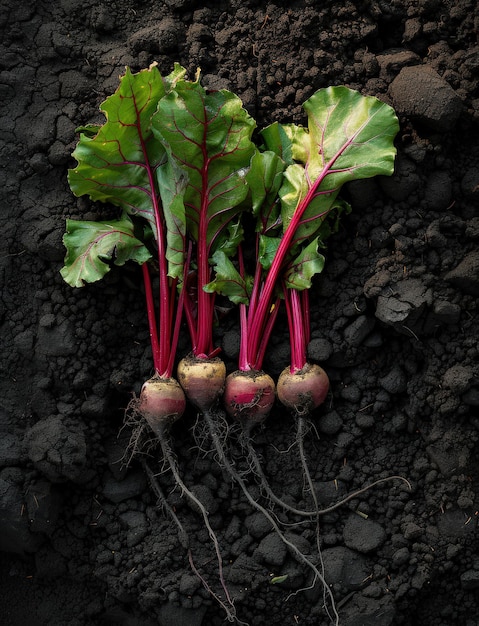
{"x":162,"y":402}
{"x":249,"y":396}
{"x":304,"y":390}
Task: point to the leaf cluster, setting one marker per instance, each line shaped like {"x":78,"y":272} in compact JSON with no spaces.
{"x":182,"y":160}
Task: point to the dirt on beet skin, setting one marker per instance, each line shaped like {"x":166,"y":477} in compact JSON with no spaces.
{"x":83,"y":538}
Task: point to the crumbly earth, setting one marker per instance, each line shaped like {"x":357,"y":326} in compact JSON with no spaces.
{"x":395,"y":323}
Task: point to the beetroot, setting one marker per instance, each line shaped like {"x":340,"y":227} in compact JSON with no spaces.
{"x":162,"y":402}
{"x":203,"y":380}
{"x":249,"y":396}
{"x":303,"y":390}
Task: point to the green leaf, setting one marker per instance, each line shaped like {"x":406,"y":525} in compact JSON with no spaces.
{"x":288,"y":141}
{"x":228,"y":280}
{"x":264,"y":178}
{"x":89,"y":130}
{"x":209,"y":135}
{"x":230,"y":238}
{"x":277,"y":140}
{"x":171,"y":80}
{"x":267,"y":249}
{"x":122,"y":162}
{"x":116,"y":164}
{"x":350,"y":137}
{"x":92,"y":247}
{"x":309,"y":262}
{"x":295,"y":187}
{"x":172,"y":183}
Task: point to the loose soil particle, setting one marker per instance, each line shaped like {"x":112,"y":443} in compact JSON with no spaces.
{"x":394,"y":323}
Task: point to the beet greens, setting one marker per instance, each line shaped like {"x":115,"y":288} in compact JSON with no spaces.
{"x":208,"y":135}
{"x":121,"y":163}
{"x":349,"y":137}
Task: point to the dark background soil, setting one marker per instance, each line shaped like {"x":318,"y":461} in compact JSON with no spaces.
{"x":395,"y":323}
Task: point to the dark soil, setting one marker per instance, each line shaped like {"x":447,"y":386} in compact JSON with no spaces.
{"x":395,"y":323}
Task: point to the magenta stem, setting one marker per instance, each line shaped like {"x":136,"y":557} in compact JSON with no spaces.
{"x":306,"y":316}
{"x":257,"y":285}
{"x":258,"y":361}
{"x":243,"y":364}
{"x":204,"y":328}
{"x":152,"y":324}
{"x":297,"y":337}
{"x":187,"y":302}
{"x":265,"y":301}
{"x":176,"y":330}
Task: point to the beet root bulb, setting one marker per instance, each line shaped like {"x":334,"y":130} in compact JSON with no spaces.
{"x":303,"y":390}
{"x":162,"y":402}
{"x":249,"y":396}
{"x":202,"y":379}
